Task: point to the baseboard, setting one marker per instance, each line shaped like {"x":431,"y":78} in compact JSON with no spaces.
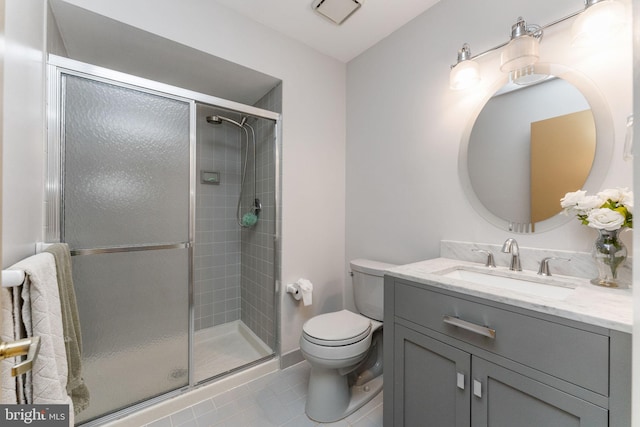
{"x":291,"y":358}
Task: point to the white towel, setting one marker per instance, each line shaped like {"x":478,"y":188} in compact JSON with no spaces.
{"x":11,"y":388}
{"x":41,"y":315}
{"x":8,"y":384}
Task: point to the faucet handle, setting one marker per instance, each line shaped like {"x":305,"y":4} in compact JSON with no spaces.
{"x":490,"y":260}
{"x":544,"y":265}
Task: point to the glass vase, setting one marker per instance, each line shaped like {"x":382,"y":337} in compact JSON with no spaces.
{"x":609,"y":254}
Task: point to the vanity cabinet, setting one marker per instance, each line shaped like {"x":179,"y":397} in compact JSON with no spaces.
{"x":453,"y":360}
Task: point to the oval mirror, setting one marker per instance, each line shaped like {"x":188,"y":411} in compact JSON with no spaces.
{"x":530,"y":145}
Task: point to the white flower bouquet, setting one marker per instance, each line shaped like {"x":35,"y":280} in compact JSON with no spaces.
{"x":608,"y":210}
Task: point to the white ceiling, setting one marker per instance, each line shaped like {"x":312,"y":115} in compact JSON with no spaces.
{"x":97,"y":40}
{"x":375,"y":20}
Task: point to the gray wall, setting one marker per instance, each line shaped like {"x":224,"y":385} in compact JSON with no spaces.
{"x":405,"y":128}
{"x":23,"y":129}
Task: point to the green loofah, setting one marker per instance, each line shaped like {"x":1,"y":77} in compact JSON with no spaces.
{"x":249,"y":219}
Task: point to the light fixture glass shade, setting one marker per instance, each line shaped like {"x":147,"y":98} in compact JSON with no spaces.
{"x":598,"y":23}
{"x":464,"y":75}
{"x":466,"y":72}
{"x":519,"y":53}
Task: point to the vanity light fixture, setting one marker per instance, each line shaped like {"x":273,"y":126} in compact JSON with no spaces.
{"x":521,"y":53}
{"x":600,"y":20}
{"x":466,"y":72}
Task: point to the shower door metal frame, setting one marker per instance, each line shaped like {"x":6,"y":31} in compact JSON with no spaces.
{"x":54,"y":190}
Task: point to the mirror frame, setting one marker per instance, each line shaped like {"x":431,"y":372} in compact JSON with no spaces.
{"x":605,"y":141}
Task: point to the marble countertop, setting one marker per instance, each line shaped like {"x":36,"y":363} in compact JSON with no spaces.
{"x":608,"y":308}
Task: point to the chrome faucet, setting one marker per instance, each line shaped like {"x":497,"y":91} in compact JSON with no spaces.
{"x":511,"y":246}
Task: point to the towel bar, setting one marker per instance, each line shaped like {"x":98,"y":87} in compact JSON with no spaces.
{"x":11,"y":278}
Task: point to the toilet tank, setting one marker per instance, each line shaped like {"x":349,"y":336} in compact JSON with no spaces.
{"x":368,"y":286}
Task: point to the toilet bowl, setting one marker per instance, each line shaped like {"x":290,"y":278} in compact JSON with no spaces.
{"x":344,"y":349}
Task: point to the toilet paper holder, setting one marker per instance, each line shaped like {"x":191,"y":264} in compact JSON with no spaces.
{"x":301,"y":290}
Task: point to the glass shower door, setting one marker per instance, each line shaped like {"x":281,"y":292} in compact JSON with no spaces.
{"x":126,"y":217}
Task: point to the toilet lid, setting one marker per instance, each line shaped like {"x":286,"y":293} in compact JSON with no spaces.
{"x":336,"y":329}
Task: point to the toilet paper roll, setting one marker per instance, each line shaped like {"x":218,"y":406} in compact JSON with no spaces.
{"x":306,"y":289}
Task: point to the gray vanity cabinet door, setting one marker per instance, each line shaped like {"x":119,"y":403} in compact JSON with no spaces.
{"x":431,"y":386}
{"x":504,"y":398}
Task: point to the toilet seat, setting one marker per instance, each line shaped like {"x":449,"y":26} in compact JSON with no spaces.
{"x":336,"y":329}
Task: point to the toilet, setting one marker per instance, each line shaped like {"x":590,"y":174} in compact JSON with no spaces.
{"x":344,"y":348}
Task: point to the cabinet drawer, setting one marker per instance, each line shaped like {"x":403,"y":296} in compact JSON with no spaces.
{"x":574,"y":355}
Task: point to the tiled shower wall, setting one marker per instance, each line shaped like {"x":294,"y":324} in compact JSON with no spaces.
{"x":234,"y":275}
{"x":217,"y":240}
{"x":258,"y":261}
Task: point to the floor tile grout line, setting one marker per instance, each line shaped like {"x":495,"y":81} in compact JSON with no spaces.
{"x":278,"y":384}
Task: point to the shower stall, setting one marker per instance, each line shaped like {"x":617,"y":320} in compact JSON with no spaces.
{"x":168,"y":201}
{"x":234,"y":253}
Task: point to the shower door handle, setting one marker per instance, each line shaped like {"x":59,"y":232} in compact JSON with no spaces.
{"x":119,"y":249}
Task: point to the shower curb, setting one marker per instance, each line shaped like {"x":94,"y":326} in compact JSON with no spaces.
{"x":194,"y":396}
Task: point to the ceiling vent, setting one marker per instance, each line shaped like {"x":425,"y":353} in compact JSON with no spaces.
{"x":337,"y":11}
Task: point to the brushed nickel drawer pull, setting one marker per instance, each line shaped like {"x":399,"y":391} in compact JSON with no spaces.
{"x":463,"y":324}
{"x":477,"y":389}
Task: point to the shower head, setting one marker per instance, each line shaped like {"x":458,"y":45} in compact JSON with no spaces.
{"x":216,"y":120}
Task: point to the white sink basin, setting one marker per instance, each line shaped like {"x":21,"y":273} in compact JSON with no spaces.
{"x":527,"y":285}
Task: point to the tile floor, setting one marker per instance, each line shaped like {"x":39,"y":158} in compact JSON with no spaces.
{"x":277,"y":399}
